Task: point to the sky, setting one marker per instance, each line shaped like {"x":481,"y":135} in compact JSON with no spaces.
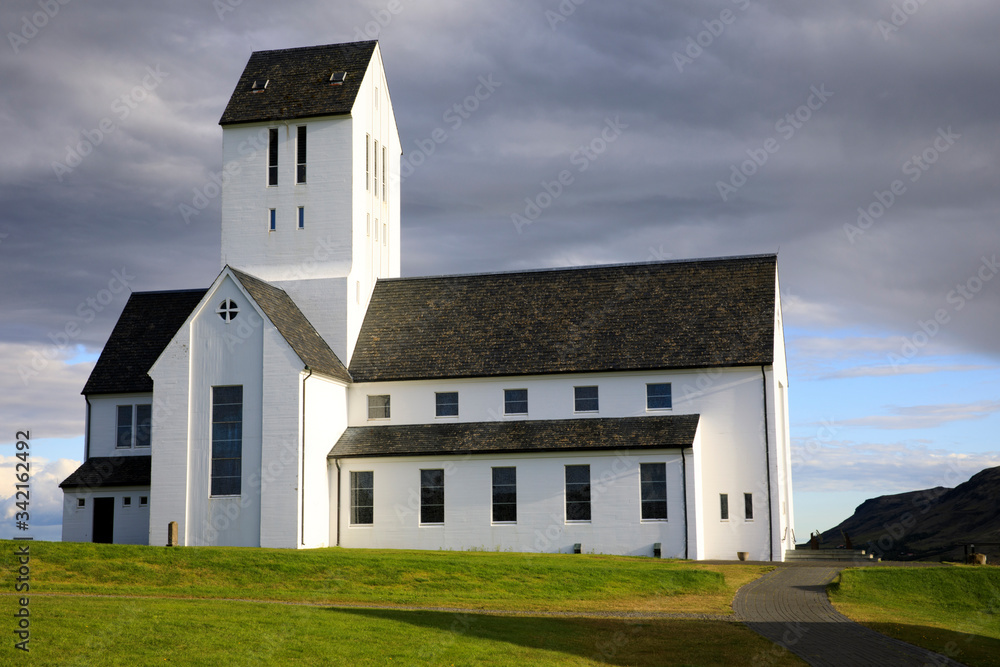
{"x":858,"y":139}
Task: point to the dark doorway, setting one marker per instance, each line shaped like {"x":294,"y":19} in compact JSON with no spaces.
{"x":104,"y":520}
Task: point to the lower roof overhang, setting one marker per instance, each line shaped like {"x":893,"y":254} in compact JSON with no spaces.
{"x":515,"y":437}
{"x":100,"y":472}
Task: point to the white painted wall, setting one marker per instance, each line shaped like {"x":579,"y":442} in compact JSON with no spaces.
{"x":131,"y":525}
{"x":615,"y":526}
{"x":326,"y":420}
{"x":104,"y":421}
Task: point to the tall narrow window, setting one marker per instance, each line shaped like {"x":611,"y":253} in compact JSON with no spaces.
{"x":446,"y":404}
{"x":385,"y":231}
{"x":724,"y":506}
{"x":272,"y":220}
{"x":300,"y":155}
{"x":515,"y":401}
{"x":376,"y":170}
{"x":376,"y":230}
{"x":143,"y":425}
{"x":505,"y":494}
{"x":362,"y":497}
{"x":227,"y":440}
{"x":378,"y":407}
{"x":653,"y":482}
{"x":585,"y":399}
{"x":748,"y":505}
{"x":123,"y":436}
{"x":432,"y":496}
{"x":368,"y":160}
{"x":385,"y":181}
{"x":658,"y":396}
{"x":272,"y":156}
{"x":578,"y":493}
{"x":368,"y":224}
{"x":302,"y":217}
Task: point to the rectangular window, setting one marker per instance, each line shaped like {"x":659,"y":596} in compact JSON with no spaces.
{"x":658,"y":396}
{"x":432,"y":496}
{"x":143,"y":501}
{"x":515,"y":401}
{"x":272,"y":156}
{"x":385,"y":180}
{"x":272,"y":220}
{"x":505,"y":495}
{"x":302,"y":217}
{"x":81,"y":503}
{"x":653,"y":493}
{"x":300,"y":155}
{"x":385,"y":234}
{"x":724,"y":506}
{"x":748,"y":505}
{"x":578,"y":493}
{"x":363,"y":498}
{"x":123,"y":436}
{"x":446,"y":404}
{"x":585,"y":399}
{"x":143,"y":425}
{"x":368,"y":224}
{"x":127,"y":501}
{"x":378,"y":407}
{"x":375,"y":169}
{"x":376,"y":230}
{"x":368,"y":160}
{"x":227,"y":440}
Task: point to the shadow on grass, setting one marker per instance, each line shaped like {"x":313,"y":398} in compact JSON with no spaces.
{"x":447,"y":636}
{"x":970,"y":649}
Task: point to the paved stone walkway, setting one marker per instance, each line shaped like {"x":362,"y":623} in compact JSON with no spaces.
{"x":790,"y":607}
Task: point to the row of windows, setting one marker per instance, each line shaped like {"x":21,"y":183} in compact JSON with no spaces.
{"x":652,"y":494}
{"x":747,"y":506}
{"x":368,"y":230}
{"x":81,"y":503}
{"x":272,"y":218}
{"x":372,"y":169}
{"x":133,"y":426}
{"x":515,"y":401}
{"x":300,"y":155}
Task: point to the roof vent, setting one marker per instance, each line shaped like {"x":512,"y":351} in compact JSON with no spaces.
{"x":259,"y":85}
{"x":337,"y":78}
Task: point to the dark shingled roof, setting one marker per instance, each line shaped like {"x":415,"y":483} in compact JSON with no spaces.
{"x":294,"y":327}
{"x":626,"y":433}
{"x":659,"y":315}
{"x":147,"y":324}
{"x":104,"y":471}
{"x":299,"y":83}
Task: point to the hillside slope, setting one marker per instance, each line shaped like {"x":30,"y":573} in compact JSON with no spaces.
{"x":928,"y":524}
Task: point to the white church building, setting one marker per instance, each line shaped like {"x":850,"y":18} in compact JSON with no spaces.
{"x":312,"y":397}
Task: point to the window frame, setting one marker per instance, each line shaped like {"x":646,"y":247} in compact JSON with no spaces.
{"x":723,"y":507}
{"x":368,"y":160}
{"x":438,"y":404}
{"x":272,"y":220}
{"x":272,"y":157}
{"x":133,"y":426}
{"x":126,"y":502}
{"x":302,"y":217}
{"x":214,"y":472}
{"x":143,"y":501}
{"x":577,"y":399}
{"x":646,"y":485}
{"x":375,"y":170}
{"x":508,"y":401}
{"x":577,"y":487}
{"x":748,"y":507}
{"x":354,"y":490}
{"x":385,"y":178}
{"x":81,"y":503}
{"x":386,"y":407}
{"x":119,"y":426}
{"x":301,"y":154}
{"x":426,"y":491}
{"x":512,"y":489}
{"x":668,"y":395}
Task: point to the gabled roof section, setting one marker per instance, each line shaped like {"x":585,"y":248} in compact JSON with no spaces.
{"x":293,"y":326}
{"x":628,"y":433}
{"x":105,"y":471}
{"x":298,"y":83}
{"x":659,"y":315}
{"x":145,"y":327}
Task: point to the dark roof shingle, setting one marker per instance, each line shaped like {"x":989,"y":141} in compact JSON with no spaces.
{"x":104,"y":471}
{"x":294,"y":327}
{"x":677,"y":314}
{"x":299,"y":83}
{"x":625,"y":433}
{"x":145,"y":327}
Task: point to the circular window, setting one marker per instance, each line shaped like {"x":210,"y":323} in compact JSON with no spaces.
{"x":228,"y":310}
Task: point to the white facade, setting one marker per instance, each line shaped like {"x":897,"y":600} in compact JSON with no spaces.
{"x":131,"y":514}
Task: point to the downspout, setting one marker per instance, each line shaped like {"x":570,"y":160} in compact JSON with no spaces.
{"x":337,"y":461}
{"x":684,"y":488}
{"x":86,"y":432}
{"x":302,"y":509}
{"x":767,"y":463}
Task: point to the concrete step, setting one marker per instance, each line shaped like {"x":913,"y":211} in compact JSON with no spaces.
{"x":827,"y":554}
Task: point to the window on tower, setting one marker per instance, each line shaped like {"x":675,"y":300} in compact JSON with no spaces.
{"x":385,"y":181}
{"x":376,"y":170}
{"x":272,"y":156}
{"x":300,"y":156}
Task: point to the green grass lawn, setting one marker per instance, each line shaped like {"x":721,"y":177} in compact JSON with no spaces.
{"x":950,"y":610}
{"x":239,"y":618}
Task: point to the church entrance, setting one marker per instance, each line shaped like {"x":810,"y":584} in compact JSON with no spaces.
{"x":104,"y":520}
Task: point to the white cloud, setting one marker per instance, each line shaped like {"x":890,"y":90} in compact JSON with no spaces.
{"x":42,"y":394}
{"x":926,"y":416}
{"x":902,"y":369}
{"x":45,"y":500}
